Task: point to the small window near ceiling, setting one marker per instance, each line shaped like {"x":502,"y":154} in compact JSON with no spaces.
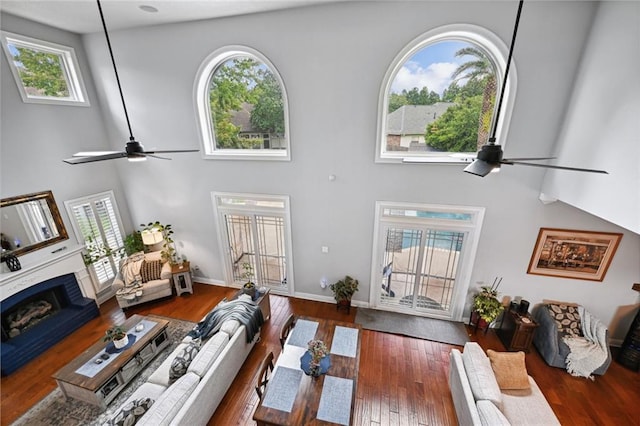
{"x":44,"y":72}
{"x":438,"y":98}
{"x":242,"y":106}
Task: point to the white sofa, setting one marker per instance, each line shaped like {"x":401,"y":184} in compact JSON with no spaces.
{"x":478,"y":400}
{"x":193,"y":398}
{"x":128,"y":295}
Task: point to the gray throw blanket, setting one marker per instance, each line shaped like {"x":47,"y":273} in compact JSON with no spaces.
{"x":247,"y":313}
{"x":588,"y":352}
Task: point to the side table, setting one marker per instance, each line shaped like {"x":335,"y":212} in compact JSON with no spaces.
{"x":516,"y":330}
{"x":182,"y":278}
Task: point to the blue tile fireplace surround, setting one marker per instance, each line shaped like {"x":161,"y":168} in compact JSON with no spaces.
{"x":38,"y":317}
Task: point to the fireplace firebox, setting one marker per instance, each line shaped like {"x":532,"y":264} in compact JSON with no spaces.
{"x":38,"y":317}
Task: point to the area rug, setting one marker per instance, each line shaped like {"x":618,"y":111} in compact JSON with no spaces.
{"x":450,"y":332}
{"x":53,"y":409}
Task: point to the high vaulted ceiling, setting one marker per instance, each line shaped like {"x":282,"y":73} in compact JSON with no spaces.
{"x":81,"y":16}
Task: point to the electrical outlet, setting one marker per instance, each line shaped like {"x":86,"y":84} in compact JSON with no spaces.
{"x":323,"y":282}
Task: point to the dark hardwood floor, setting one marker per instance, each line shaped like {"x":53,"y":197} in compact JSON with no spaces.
{"x":402,"y":381}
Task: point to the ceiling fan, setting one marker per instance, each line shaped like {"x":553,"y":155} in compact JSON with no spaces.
{"x":489,"y":158}
{"x":134,"y":151}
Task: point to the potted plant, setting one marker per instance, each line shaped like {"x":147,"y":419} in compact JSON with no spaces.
{"x":486,"y":306}
{"x":118,"y":335}
{"x":133,"y":243}
{"x":249,"y":287}
{"x":343,"y":291}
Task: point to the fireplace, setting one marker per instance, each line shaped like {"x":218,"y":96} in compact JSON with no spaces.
{"x":39,"y":316}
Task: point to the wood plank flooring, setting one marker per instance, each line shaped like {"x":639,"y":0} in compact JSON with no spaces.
{"x":402,"y":381}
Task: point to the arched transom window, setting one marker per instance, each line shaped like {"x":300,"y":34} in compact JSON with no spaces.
{"x":242,"y":106}
{"x":437,"y":102}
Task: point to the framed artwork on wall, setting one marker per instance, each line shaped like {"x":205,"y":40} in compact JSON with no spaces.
{"x":583,"y":255}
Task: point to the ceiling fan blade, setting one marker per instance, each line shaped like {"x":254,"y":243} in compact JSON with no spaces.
{"x":155,"y":151}
{"x":529,"y":159}
{"x":146,"y":154}
{"x":480,"y":168}
{"x":94,"y":153}
{"x":92,"y":158}
{"x":550,"y":166}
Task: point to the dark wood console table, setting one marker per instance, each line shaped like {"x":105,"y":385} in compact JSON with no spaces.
{"x":516,"y":330}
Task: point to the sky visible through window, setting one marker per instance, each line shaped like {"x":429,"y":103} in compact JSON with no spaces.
{"x":431,"y":66}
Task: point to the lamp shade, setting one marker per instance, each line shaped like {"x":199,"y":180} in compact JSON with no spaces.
{"x":151,"y":237}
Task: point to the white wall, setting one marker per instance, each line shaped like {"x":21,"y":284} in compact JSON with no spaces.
{"x":34,"y":138}
{"x":332,"y":59}
{"x":602,"y":129}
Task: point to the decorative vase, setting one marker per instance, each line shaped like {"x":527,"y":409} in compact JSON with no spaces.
{"x":309,"y":370}
{"x":119,"y":344}
{"x":12,"y":262}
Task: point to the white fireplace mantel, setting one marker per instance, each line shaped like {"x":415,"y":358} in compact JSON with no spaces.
{"x":63,"y":261}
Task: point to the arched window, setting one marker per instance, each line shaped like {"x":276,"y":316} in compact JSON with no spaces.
{"x":438,"y":98}
{"x":241,"y":106}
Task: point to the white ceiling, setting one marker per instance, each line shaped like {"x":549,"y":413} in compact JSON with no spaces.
{"x":81,"y":16}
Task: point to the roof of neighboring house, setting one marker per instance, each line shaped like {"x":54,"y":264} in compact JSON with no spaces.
{"x":413,"y":119}
{"x":242,"y":118}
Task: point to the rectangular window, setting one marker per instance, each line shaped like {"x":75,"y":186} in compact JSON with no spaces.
{"x":44,"y":72}
{"x":254,"y":230}
{"x":97,"y":225}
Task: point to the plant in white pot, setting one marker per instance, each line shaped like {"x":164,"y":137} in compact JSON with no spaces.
{"x":118,"y":335}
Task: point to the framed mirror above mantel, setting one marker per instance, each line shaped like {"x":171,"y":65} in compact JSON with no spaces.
{"x":30,"y":222}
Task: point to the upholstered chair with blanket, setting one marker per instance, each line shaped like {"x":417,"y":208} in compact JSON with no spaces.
{"x":570,"y":337}
{"x":143,"y":277}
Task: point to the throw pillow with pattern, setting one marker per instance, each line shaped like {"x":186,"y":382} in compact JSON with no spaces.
{"x":150,"y":270}
{"x":567,"y":319}
{"x":131,"y":413}
{"x":183,"y":359}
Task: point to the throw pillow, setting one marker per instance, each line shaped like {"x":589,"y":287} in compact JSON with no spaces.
{"x":480,"y":374}
{"x":129,"y":414}
{"x":510,"y":369}
{"x":490,"y":415}
{"x":150,"y":270}
{"x":567,"y":319}
{"x":182,"y":360}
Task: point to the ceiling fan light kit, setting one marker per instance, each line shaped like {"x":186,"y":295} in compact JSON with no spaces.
{"x":489,"y":158}
{"x":134,"y":151}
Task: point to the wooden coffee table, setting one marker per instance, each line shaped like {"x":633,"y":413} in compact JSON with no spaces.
{"x":97,"y":381}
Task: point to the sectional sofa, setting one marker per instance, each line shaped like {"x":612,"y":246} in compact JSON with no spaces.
{"x":193,"y":398}
{"x":479,"y":400}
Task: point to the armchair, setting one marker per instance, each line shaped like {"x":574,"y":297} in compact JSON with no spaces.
{"x":140,"y":281}
{"x":548,"y":340}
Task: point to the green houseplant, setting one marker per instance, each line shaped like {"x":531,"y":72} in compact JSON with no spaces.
{"x":249,"y":287}
{"x":343,"y":291}
{"x":133,"y":243}
{"x":118,"y":335}
{"x":486,"y":305}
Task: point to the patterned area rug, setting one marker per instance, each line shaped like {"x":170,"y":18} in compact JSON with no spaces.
{"x":450,"y":332}
{"x":53,"y":409}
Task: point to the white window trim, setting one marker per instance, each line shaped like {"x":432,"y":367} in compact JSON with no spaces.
{"x":466,"y":32}
{"x":77,"y":91}
{"x":472,"y":228}
{"x":219,"y":209}
{"x":203,"y":108}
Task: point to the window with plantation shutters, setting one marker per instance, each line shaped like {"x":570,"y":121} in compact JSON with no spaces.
{"x":97,"y":226}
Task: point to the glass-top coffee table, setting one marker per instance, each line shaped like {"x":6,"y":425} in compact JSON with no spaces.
{"x":98,"y":374}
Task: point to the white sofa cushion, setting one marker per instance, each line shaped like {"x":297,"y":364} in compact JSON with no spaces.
{"x":532,"y":409}
{"x":208,"y":354}
{"x":161,"y":375}
{"x":480,"y":374}
{"x":230,"y":326}
{"x":490,"y":415}
{"x":171,"y":401}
